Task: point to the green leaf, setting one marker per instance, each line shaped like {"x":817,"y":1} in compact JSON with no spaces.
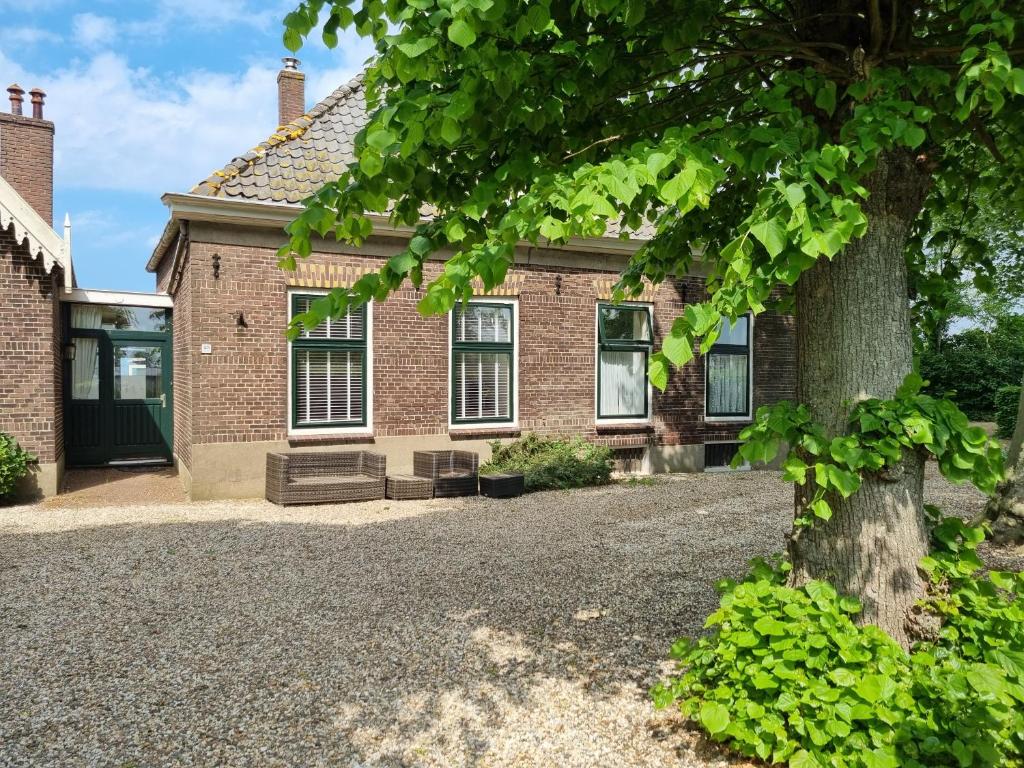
{"x":678,"y":349}
{"x":914,"y":136}
{"x":803,"y":759}
{"x":714,"y":717}
{"x":657,"y":372}
{"x":461,"y":33}
{"x":772,"y":235}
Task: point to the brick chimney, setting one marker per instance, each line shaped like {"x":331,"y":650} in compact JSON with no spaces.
{"x":291,"y":91}
{"x":26,"y":151}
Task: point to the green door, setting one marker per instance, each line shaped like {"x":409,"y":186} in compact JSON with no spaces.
{"x":118,"y":397}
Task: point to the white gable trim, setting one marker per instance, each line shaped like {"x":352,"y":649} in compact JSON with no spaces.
{"x":31,"y":230}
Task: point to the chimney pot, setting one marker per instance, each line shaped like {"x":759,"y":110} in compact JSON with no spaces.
{"x":17,"y":95}
{"x":291,"y":91}
{"x":38,"y":99}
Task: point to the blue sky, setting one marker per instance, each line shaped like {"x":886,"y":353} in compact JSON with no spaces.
{"x":150,"y":97}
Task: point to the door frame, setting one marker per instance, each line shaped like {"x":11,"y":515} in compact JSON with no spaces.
{"x":107,"y":339}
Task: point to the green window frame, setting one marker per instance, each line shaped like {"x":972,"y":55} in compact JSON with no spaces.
{"x":482,"y":390}
{"x":728,"y":361}
{"x":329,"y":370}
{"x":624,"y":331}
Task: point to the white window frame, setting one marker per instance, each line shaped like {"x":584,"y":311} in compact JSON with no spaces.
{"x":617,"y":420}
{"x":749,"y":416}
{"x":489,"y":425}
{"x":360,"y":429}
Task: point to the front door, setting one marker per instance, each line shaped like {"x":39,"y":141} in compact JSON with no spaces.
{"x":118,"y":397}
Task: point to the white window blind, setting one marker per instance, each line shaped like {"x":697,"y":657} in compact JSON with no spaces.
{"x":483,"y":355}
{"x":329,"y":370}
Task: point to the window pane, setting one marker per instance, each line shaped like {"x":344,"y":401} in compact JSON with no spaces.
{"x":736,"y":333}
{"x":113,"y":317}
{"x":481,"y":385}
{"x":483,"y":323}
{"x":351,"y":327}
{"x":623,"y":383}
{"x":626,"y":324}
{"x":727,"y":384}
{"x":138,"y":372}
{"x":328,"y":386}
{"x":85,"y":370}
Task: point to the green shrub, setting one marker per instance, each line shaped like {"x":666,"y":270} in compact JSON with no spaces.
{"x":1007,"y":403}
{"x":786,"y":675}
{"x":14,"y":461}
{"x":552,"y":463}
{"x":975,"y":363}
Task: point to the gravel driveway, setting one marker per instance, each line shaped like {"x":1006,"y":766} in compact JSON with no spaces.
{"x":443,"y":633}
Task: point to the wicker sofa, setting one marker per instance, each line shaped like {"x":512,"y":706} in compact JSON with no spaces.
{"x":324,"y":477}
{"x":454,"y":472}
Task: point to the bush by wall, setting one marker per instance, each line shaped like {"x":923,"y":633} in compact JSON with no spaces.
{"x":14,"y":461}
{"x":552,"y":463}
{"x":1007,"y":403}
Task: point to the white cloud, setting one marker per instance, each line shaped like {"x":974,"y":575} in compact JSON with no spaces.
{"x":91,"y":31}
{"x":27,"y":36}
{"x":120,"y":128}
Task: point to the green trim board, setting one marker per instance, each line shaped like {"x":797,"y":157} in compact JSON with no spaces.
{"x":613,"y":335}
{"x":351,"y":343}
{"x":504,"y":348}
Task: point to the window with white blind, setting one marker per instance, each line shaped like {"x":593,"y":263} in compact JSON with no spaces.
{"x":483,"y":363}
{"x":624,"y":340}
{"x":728,"y":372}
{"x":329,"y":370}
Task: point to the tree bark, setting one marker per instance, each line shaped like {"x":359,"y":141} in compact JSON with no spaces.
{"x":1006,"y":508}
{"x":853,"y":343}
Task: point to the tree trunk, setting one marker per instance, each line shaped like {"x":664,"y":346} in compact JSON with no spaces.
{"x":1006,"y":508}
{"x":853,"y":343}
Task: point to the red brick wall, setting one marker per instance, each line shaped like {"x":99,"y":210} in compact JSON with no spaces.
{"x":30,"y":352}
{"x":239,"y":392}
{"x":182,"y":349}
{"x":26,"y":160}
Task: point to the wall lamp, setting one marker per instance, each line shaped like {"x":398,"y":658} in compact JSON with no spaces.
{"x":69,"y":350}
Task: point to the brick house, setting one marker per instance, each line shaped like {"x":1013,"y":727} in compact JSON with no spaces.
{"x":201,"y":374}
{"x":544,"y":352}
{"x":35,"y":270}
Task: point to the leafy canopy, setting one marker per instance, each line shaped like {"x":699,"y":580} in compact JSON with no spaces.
{"x":743,"y":128}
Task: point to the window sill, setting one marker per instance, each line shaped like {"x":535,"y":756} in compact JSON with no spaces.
{"x":478,"y":432}
{"x":612,"y":427}
{"x":339,"y":438}
{"x":728,"y":419}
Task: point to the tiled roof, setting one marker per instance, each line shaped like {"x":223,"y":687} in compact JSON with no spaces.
{"x":308,"y":152}
{"x":300,"y":157}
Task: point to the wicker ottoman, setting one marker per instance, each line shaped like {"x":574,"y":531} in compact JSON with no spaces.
{"x":409,"y":487}
{"x":502,"y":485}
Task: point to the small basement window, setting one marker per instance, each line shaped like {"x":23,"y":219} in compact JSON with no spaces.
{"x":718,"y":456}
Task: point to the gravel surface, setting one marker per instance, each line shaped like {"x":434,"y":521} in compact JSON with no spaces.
{"x":467,"y":632}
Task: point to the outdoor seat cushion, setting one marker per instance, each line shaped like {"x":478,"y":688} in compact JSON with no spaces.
{"x":454,"y":473}
{"x":334,"y":480}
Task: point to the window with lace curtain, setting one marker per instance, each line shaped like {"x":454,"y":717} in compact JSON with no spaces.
{"x":624,"y":340}
{"x":728,"y":372}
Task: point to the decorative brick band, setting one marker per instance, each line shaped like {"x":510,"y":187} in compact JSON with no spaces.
{"x":604,"y":287}
{"x":312,"y":275}
{"x":512,"y":286}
